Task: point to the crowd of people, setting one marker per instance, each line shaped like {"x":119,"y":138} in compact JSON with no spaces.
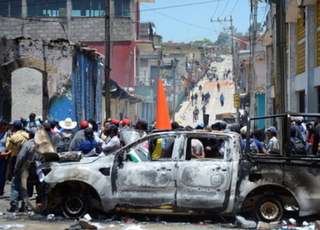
{"x":304,"y":138}
{"x":17,"y":146}
{"x":18,"y":139}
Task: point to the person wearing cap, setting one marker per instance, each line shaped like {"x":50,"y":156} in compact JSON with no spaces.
{"x":302,"y":130}
{"x":89,"y":147}
{"x":125,"y":122}
{"x":255,"y":145}
{"x":15,"y":141}
{"x":142,"y":124}
{"x":273,"y":142}
{"x":52,"y":122}
{"x":79,"y":137}
{"x":112,"y":142}
{"x":66,"y":132}
{"x":4,"y":155}
{"x":115,"y":122}
{"x":223,"y":125}
{"x":199,"y":126}
{"x":124,"y":125}
{"x":26,"y":153}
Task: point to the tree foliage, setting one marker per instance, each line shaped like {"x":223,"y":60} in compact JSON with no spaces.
{"x":223,"y":39}
{"x":203,"y":42}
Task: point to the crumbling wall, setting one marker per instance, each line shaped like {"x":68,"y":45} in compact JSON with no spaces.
{"x":54,"y":61}
{"x":26,"y":90}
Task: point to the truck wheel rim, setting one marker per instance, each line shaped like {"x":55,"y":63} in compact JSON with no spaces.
{"x":269,"y":211}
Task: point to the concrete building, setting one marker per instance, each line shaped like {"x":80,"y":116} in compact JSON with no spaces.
{"x":84,"y":21}
{"x":302,"y":64}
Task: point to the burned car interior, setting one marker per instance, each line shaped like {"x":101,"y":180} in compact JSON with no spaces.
{"x":143,"y":150}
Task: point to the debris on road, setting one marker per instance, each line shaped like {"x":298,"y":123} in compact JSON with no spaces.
{"x":8,"y":226}
{"x":243,"y":223}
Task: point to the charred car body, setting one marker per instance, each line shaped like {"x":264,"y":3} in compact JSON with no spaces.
{"x":130,"y":181}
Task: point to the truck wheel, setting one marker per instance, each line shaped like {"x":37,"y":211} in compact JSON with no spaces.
{"x":269,"y":209}
{"x":74,"y":205}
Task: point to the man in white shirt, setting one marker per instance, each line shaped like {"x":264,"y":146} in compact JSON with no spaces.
{"x":197,"y":149}
{"x":273,"y":142}
{"x":112,"y":142}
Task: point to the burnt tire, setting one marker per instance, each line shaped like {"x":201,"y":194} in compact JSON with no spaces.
{"x":74,"y":205}
{"x":269,"y":209}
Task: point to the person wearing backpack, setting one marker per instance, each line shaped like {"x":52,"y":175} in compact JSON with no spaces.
{"x":255,"y":145}
{"x":303,"y":132}
{"x":66,"y":132}
{"x":297,"y":147}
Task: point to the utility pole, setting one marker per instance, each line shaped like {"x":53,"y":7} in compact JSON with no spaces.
{"x":107,"y":68}
{"x":235,"y":73}
{"x":281,"y":53}
{"x":234,"y":69}
{"x":174,"y":72}
{"x":253,"y":59}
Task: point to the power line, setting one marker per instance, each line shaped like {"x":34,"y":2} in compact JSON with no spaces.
{"x":224,"y":9}
{"x":183,"y":5}
{"x":233,"y":8}
{"x":181,"y":21}
{"x":216,"y":9}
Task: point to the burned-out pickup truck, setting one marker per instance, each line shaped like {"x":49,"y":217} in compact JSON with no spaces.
{"x":237,"y":182}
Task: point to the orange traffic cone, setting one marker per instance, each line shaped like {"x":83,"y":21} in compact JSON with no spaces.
{"x":163,"y":117}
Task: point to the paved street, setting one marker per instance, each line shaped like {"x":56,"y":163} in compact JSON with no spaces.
{"x":185,"y":117}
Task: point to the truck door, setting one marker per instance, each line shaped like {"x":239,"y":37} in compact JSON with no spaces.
{"x":203,"y":183}
{"x":146,"y":183}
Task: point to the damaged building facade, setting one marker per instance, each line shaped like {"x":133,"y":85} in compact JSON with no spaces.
{"x":83,"y":21}
{"x":52,"y":78}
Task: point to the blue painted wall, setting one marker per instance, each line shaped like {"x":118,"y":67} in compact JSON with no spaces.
{"x":85,"y":90}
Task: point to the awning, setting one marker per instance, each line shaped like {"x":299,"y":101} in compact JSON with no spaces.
{"x":117,"y":91}
{"x":145,"y":45}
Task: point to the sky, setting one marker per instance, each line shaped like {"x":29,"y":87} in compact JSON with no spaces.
{"x":192,"y":20}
